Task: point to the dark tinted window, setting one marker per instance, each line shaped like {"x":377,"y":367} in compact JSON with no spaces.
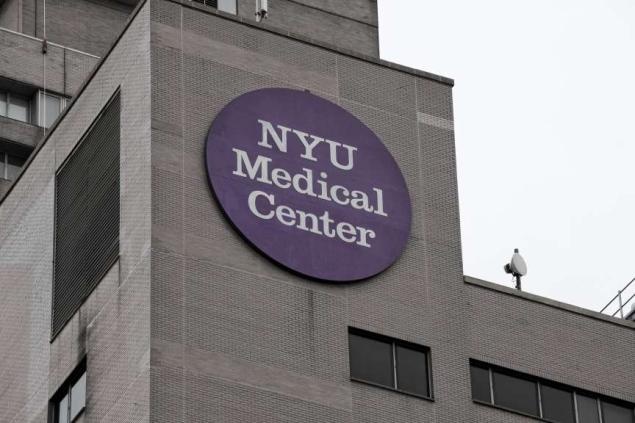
{"x":395,"y":364}
{"x":515,"y":393}
{"x":412,"y":371}
{"x":587,"y":409}
{"x":557,"y":404}
{"x":480,"y":383}
{"x":371,"y":360}
{"x":614,"y":413}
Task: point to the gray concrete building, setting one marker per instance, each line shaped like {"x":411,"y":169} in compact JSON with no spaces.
{"x":127,"y":294}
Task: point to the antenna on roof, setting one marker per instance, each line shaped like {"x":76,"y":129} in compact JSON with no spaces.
{"x":517,"y":267}
{"x":262,"y":10}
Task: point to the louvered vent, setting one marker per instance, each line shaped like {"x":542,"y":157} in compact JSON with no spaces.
{"x":87,"y":215}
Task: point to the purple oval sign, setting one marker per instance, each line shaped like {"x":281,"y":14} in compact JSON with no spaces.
{"x":308,"y":184}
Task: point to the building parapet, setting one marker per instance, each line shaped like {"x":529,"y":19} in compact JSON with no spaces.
{"x":48,"y":42}
{"x":547,"y":301}
{"x":289,"y":34}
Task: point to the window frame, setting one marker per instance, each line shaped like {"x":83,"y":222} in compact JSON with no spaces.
{"x":519,"y":376}
{"x":394,"y":343}
{"x":4,"y":165}
{"x":64,"y":390}
{"x":9,"y":103}
{"x":38,"y":115}
{"x":6,"y":103}
{"x":216,"y":4}
{"x":600,"y":399}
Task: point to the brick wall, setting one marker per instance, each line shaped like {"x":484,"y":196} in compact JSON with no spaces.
{"x":351,"y":24}
{"x":22,"y":60}
{"x":89,"y":26}
{"x":234,"y":337}
{"x":551,"y":340}
{"x":112,"y":327}
{"x":194,"y":325}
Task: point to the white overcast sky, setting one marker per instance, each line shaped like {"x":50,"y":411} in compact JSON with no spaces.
{"x":544,"y":109}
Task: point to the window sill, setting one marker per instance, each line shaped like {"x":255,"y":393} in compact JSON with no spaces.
{"x":388,"y":388}
{"x":26,"y":122}
{"x":509,"y":410}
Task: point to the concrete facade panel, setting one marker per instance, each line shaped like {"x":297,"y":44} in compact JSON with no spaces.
{"x":435,"y":99}
{"x":112,"y":327}
{"x":232,"y":295}
{"x":375,"y":405}
{"x":22,"y":61}
{"x":377,"y":87}
{"x":351,"y":25}
{"x":96,"y":24}
{"x":359,"y":10}
{"x":19,"y":132}
{"x":548,"y":342}
{"x":192,"y":324}
{"x":210,"y":399}
{"x":60,"y":70}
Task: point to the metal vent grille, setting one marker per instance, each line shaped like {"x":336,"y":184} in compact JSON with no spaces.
{"x":87,"y":215}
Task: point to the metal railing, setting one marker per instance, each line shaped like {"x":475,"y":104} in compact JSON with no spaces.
{"x":621,"y":304}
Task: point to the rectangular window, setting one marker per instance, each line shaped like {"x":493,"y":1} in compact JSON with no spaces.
{"x":39,"y":109}
{"x":70,"y":399}
{"x":18,"y":107}
{"x":13,"y":166}
{"x":371,"y":360}
{"x":515,"y":393}
{"x":617,"y":413}
{"x":390,"y":363}
{"x":3,"y":103}
{"x":52,"y":109}
{"x":47,"y":107}
{"x":86,"y":215}
{"x":557,"y":404}
{"x":227,"y":6}
{"x":547,"y":400}
{"x":412,"y":370}
{"x":10,"y":166}
{"x":78,"y":396}
{"x":481,"y":387}
{"x":588,"y":409}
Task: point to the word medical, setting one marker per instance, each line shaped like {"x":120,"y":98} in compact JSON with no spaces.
{"x":263,"y":205}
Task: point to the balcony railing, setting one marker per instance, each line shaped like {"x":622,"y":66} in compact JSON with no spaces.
{"x":619,"y":305}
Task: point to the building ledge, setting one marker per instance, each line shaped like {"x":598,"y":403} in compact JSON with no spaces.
{"x":547,"y":301}
{"x":25,"y":134}
{"x":351,"y":53}
{"x":40,"y":40}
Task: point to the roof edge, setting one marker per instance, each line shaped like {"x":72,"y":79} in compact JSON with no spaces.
{"x":491,"y":286}
{"x":287,"y":34}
